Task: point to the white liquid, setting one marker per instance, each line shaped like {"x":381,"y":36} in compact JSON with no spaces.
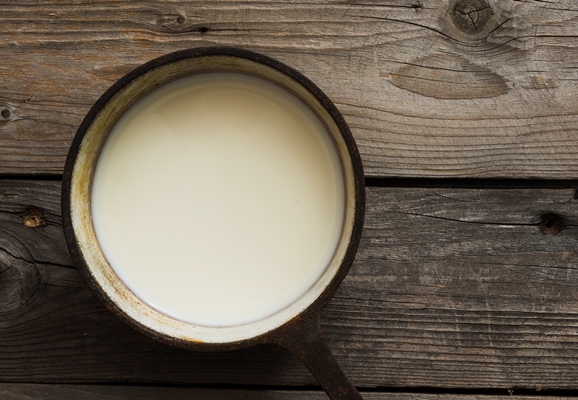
{"x":218,"y":199}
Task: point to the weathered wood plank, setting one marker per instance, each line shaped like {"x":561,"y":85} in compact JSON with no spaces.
{"x":103,"y":392}
{"x":452,"y":288}
{"x":430,"y":88}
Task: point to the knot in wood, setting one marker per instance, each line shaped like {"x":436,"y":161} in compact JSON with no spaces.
{"x":33,"y":217}
{"x":551,"y":224}
{"x":5,"y":113}
{"x":20,"y":277}
{"x":174,"y":21}
{"x":471,"y":16}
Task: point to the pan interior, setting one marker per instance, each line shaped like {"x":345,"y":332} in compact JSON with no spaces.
{"x":218,"y":199}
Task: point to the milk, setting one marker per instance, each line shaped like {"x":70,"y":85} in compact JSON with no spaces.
{"x":218,"y":199}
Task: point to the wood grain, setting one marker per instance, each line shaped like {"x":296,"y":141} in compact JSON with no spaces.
{"x":103,"y":392}
{"x":426,"y":93}
{"x":451,"y":288}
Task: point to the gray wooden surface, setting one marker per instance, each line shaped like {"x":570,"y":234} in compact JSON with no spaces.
{"x":93,"y":392}
{"x":424,"y":94}
{"x":468,"y":290}
{"x":451,"y":288}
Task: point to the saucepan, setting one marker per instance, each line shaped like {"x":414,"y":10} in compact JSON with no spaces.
{"x":164,"y":163}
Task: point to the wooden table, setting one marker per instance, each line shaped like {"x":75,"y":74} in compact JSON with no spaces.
{"x":466,"y":115}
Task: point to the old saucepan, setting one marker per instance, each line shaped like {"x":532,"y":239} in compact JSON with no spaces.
{"x":294,"y":325}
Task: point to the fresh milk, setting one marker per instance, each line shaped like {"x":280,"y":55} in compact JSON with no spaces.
{"x":218,"y":199}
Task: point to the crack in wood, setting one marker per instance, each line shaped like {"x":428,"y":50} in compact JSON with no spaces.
{"x":466,"y":221}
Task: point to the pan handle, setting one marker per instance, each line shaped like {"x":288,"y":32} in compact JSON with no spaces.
{"x":304,"y":338}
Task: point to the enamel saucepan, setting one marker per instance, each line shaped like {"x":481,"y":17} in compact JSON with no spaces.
{"x":295,"y":327}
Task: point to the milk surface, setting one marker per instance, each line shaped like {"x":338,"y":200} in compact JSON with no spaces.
{"x":218,"y":199}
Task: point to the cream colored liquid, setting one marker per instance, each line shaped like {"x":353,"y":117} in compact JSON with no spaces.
{"x":218,"y":199}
